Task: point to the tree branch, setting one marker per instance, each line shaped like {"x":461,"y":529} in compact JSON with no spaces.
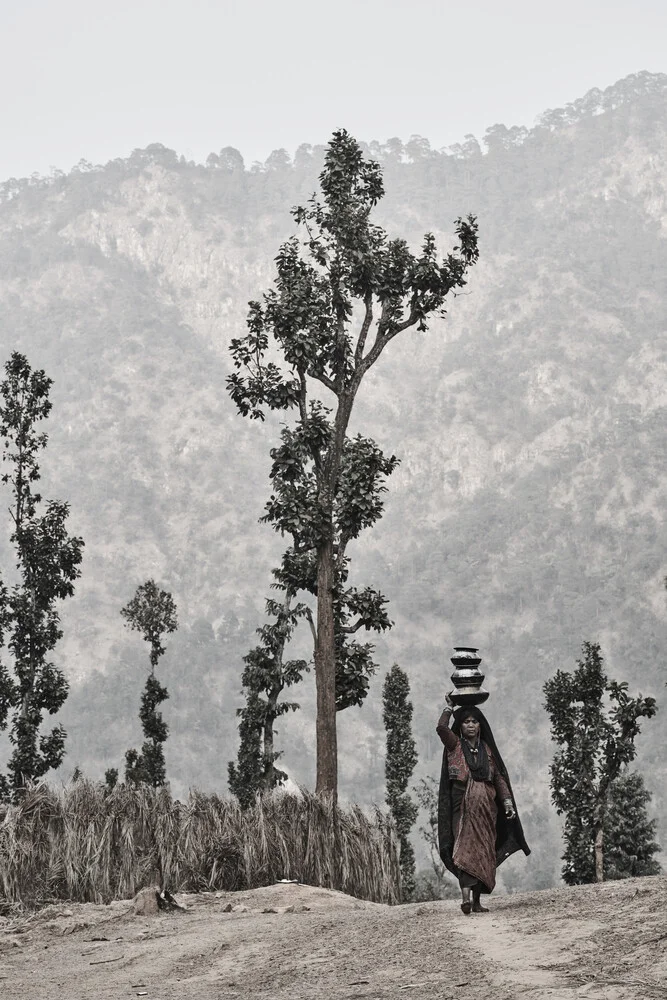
{"x":382,"y":339}
{"x":340,"y":554}
{"x":309,"y":616}
{"x":365,"y":327}
{"x":325,"y":381}
{"x":303,"y":410}
{"x":349,"y":629}
{"x":303,"y":397}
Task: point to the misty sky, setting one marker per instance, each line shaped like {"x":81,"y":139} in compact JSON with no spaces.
{"x":88,"y":80}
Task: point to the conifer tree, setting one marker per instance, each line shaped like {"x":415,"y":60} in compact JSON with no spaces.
{"x":111,"y":778}
{"x":265,"y":675}
{"x":594,"y":741}
{"x":304,"y":340}
{"x":629,"y":833}
{"x":47,"y":564}
{"x":246,"y":777}
{"x":152,"y":612}
{"x":400,"y":762}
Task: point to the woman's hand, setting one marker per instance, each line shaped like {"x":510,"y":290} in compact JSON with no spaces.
{"x":449,"y":703}
{"x":509,"y":809}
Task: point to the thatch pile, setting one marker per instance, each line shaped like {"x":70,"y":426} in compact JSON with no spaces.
{"x":87,"y":844}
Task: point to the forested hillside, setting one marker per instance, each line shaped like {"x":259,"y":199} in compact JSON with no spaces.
{"x":526,"y":515}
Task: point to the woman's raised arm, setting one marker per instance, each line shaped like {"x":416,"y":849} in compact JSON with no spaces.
{"x":442,"y":729}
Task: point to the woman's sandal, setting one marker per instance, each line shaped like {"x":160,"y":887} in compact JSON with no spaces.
{"x":478,"y":908}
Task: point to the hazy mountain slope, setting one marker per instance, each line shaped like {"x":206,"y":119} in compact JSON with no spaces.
{"x":527,"y":513}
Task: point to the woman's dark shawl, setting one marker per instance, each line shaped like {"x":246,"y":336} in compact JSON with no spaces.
{"x":509,"y":832}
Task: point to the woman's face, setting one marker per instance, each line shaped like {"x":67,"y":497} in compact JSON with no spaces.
{"x":470,"y":728}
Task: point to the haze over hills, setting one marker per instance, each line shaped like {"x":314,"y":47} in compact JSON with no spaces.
{"x":526,"y":515}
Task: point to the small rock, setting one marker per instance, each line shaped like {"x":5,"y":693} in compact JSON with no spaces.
{"x":240,"y":909}
{"x":145,"y":902}
{"x":269,"y":909}
{"x":228,"y":908}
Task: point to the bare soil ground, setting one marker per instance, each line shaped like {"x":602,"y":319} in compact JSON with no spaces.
{"x":291,"y":941}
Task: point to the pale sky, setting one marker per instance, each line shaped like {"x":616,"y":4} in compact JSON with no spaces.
{"x":88,"y":80}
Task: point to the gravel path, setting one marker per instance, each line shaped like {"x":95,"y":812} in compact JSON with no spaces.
{"x":601,"y":942}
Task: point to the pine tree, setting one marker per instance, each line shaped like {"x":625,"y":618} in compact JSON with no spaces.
{"x":303,"y":339}
{"x":247,"y":776}
{"x":265,"y":675}
{"x":111,"y":778}
{"x":151,"y":612}
{"x":399,"y":765}
{"x":594,"y":743}
{"x":47,"y":561}
{"x":628,"y":831}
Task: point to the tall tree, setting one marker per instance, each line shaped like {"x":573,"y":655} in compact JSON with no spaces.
{"x":629,"y":833}
{"x":594,"y":740}
{"x":267,"y":671}
{"x":293,"y":509}
{"x":152,"y":612}
{"x":400,"y":762}
{"x":47,"y":562}
{"x":303,"y":338}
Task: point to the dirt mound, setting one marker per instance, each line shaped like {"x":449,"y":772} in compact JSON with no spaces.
{"x":292,"y":942}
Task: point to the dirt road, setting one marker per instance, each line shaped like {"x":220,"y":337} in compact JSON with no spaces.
{"x":607,"y":941}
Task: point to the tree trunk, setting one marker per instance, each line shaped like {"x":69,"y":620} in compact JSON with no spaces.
{"x":599,"y":853}
{"x":325,"y":648}
{"x":598,"y":824}
{"x":268,"y":780}
{"x":325,"y":675}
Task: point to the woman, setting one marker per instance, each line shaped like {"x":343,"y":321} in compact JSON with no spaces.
{"x":474,"y":834}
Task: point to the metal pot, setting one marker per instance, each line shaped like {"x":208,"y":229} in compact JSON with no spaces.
{"x":467,"y":679}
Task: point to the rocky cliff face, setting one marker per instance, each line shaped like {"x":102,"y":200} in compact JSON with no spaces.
{"x":528,"y":511}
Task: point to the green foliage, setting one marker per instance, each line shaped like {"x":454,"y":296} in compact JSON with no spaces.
{"x":431,"y":885}
{"x":246,"y":775}
{"x":111,"y":778}
{"x":265,"y":675}
{"x":400,"y":762}
{"x":294,"y":509}
{"x":434,"y":883}
{"x":152,"y":612}
{"x":629,"y":833}
{"x":327,"y":487}
{"x":594,"y":741}
{"x":47,"y":561}
{"x":343,"y":257}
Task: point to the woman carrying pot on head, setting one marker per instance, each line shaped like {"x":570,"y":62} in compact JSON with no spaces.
{"x":478,"y":825}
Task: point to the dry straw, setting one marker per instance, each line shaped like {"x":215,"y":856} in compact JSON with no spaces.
{"x":87,"y":844}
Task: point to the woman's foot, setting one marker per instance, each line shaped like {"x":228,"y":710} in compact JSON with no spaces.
{"x":477,"y":906}
{"x":465,"y":905}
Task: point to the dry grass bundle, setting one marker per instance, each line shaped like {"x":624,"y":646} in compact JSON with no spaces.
{"x":87,"y":844}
